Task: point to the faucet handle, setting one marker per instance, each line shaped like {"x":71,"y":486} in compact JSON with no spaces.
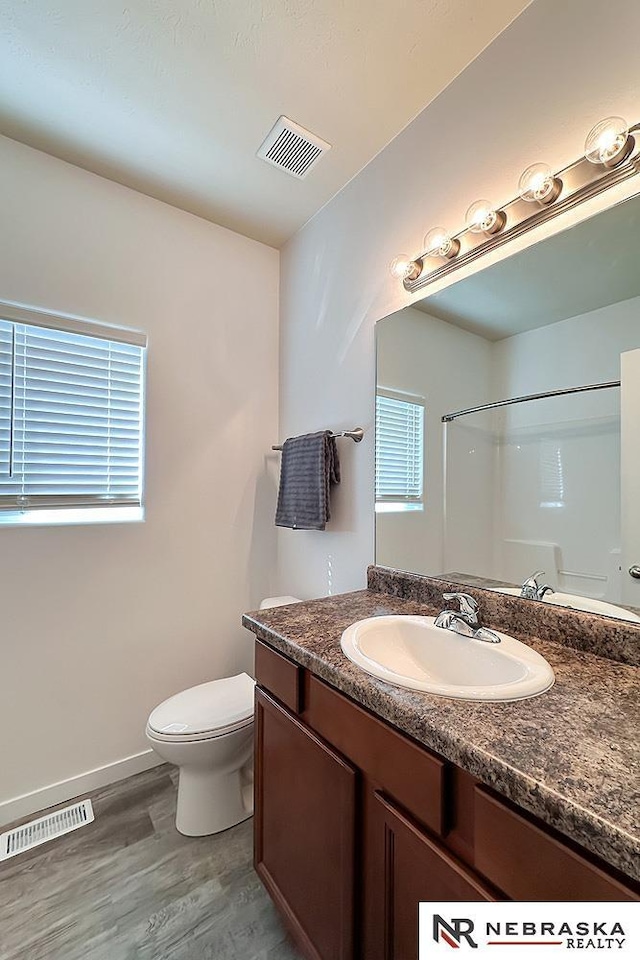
{"x":544,"y":590}
{"x":468,"y":605}
{"x":532,"y":581}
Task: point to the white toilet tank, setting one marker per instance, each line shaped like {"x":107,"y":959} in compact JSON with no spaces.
{"x":278,"y":602}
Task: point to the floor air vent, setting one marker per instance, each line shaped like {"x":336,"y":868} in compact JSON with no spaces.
{"x":292,"y":148}
{"x":35,"y":832}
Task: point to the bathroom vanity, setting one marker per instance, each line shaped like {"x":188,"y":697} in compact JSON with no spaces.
{"x":370,"y":798}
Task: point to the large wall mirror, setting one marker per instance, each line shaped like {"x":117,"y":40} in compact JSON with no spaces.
{"x":548,"y":486}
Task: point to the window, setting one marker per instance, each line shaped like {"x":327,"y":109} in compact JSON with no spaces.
{"x":551,"y":475}
{"x":399,"y":453}
{"x":71,"y":420}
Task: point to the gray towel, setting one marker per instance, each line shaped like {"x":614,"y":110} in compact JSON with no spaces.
{"x":309,"y":466}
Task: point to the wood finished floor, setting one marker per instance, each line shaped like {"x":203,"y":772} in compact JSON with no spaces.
{"x":130,"y":887}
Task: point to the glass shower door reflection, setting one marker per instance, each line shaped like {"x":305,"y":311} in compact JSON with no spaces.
{"x":536,"y":486}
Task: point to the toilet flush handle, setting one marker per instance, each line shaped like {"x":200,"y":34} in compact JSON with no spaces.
{"x":634,"y":571}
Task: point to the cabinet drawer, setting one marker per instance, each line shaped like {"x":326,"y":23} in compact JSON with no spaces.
{"x":408,"y":771}
{"x":529,"y":863}
{"x":279,"y":675}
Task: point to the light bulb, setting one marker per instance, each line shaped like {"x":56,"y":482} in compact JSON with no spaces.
{"x":538,"y":184}
{"x":482,"y":217}
{"x":438,"y":243}
{"x":609,"y":142}
{"x":404,"y":268}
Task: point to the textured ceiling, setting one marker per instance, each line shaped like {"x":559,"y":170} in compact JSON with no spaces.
{"x":173,"y":97}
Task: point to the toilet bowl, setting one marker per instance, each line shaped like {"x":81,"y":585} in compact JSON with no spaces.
{"x":207,"y":731}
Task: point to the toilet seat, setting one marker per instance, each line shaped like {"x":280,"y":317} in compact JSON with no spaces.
{"x":204,"y":712}
{"x":180,"y":737}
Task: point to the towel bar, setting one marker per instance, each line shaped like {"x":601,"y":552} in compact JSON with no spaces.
{"x":356,"y":434}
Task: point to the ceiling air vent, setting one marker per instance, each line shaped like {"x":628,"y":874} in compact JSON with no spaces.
{"x":292,"y":148}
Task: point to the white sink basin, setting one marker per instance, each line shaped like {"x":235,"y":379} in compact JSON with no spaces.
{"x":412,"y":652}
{"x":574,"y":602}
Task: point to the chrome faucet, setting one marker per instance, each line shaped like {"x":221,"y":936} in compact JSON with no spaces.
{"x":531,"y":589}
{"x":465,"y":620}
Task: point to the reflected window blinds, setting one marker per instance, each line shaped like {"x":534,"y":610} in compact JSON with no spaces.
{"x":399,"y":450}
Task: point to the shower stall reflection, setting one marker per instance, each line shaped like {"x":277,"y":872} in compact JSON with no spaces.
{"x":525,"y":486}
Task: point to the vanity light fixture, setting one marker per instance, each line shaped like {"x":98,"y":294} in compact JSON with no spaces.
{"x":482,"y":217}
{"x":438,"y":243}
{"x":611,"y":156}
{"x":609,"y":142}
{"x":404,"y":268}
{"x":538,"y":184}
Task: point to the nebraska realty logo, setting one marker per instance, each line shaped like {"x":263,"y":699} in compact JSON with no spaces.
{"x":613,"y":929}
{"x":454,"y":931}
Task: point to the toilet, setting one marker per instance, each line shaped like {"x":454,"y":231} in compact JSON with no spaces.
{"x":207,"y":731}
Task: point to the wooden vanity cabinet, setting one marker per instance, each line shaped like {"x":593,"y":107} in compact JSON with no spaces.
{"x":355,"y":824}
{"x":305,"y":811}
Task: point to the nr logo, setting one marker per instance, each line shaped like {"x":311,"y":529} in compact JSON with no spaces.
{"x":453,"y":932}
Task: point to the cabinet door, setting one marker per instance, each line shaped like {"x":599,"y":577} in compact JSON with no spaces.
{"x":410,"y":867}
{"x":305,"y":797}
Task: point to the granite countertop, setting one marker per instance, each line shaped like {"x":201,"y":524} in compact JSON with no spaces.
{"x":570,"y":756}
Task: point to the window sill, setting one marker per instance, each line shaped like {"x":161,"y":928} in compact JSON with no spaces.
{"x":397,"y":506}
{"x":70,"y":517}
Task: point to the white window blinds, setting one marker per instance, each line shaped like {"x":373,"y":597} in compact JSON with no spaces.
{"x":399,"y":449}
{"x":70,"y":419}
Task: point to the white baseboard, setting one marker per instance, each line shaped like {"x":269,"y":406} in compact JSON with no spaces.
{"x":28,"y":803}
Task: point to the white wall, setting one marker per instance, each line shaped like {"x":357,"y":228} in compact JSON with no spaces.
{"x":99,"y":623}
{"x":580,"y":350}
{"x":533,"y":94}
{"x":450,"y":369}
